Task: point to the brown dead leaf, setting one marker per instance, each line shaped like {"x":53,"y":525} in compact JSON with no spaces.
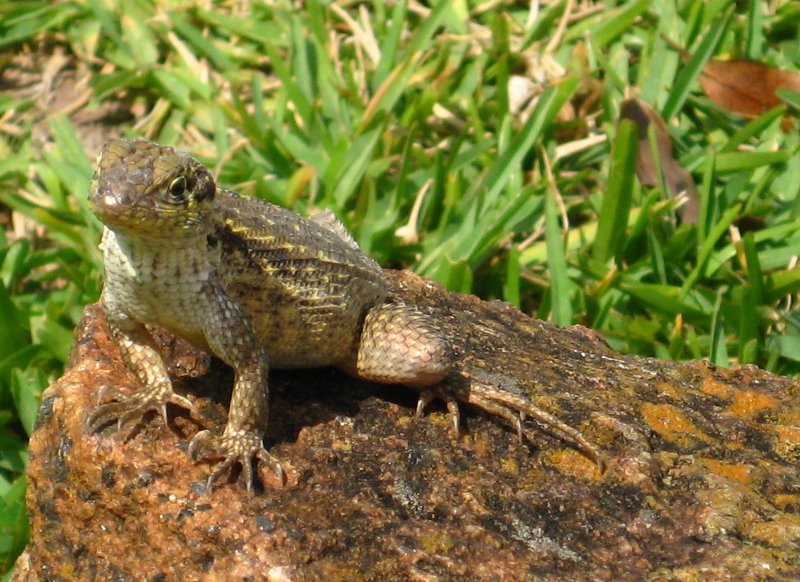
{"x":679,"y":182}
{"x":748,"y":88}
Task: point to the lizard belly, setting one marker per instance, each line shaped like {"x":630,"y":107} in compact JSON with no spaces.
{"x":182,"y":314}
{"x":299,"y":336}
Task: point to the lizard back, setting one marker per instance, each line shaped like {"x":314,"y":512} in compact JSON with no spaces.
{"x":304,"y":283}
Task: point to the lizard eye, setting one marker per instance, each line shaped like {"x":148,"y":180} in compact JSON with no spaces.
{"x":177,"y":189}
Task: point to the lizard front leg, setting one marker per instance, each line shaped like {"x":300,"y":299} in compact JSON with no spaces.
{"x":142,"y":357}
{"x":231,"y":338}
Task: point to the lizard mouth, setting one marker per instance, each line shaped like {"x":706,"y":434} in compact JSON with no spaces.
{"x":104,"y":202}
{"x":114,"y":208}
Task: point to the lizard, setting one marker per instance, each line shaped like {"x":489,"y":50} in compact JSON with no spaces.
{"x":260,"y":287}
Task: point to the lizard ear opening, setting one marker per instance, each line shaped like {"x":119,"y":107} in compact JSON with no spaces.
{"x":206,"y":188}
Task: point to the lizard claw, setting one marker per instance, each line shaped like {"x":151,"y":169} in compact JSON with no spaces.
{"x":518,"y":422}
{"x":429,"y":395}
{"x":125,"y":407}
{"x":240,"y":447}
{"x":455,"y":414}
{"x":425,"y":398}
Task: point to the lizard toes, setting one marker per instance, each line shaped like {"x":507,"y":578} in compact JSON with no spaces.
{"x":112,"y":393}
{"x":134,"y":413}
{"x":268,"y":459}
{"x":125,"y":407}
{"x":455,"y":414}
{"x":119,"y":413}
{"x":222,"y":468}
{"x":242,"y":447}
{"x":103,"y":415}
{"x":183,"y":402}
{"x":425,"y":398}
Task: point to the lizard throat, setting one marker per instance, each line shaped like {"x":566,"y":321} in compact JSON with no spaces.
{"x":142,"y":260}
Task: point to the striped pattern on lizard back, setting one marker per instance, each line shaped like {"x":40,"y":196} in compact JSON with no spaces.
{"x":304,"y":283}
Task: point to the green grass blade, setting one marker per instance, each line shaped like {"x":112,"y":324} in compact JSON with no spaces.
{"x":613,"y":219}
{"x":508,"y":162}
{"x":679,"y":90}
{"x":561,"y":306}
{"x":719,"y":347}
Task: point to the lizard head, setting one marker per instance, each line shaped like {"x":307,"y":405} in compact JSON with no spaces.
{"x":146,"y":187}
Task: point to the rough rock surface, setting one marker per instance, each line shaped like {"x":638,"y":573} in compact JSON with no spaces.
{"x":702,"y":480}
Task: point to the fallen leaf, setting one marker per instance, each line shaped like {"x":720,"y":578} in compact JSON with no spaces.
{"x":679,"y":182}
{"x":747,"y":88}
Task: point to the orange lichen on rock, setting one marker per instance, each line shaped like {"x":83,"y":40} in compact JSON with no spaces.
{"x":671,"y":424}
{"x":748,"y":403}
{"x":511,"y":466}
{"x":784,"y":529}
{"x":744,"y":404}
{"x":574,"y":464}
{"x":670,"y":390}
{"x":715,"y":388}
{"x":738,"y":472}
{"x":785,"y":501}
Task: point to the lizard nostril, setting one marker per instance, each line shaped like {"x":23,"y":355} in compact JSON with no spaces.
{"x":109,"y":201}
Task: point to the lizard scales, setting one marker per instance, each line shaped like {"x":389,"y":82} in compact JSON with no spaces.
{"x":258,"y":286}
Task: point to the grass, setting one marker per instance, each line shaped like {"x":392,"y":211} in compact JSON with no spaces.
{"x":404,"y":118}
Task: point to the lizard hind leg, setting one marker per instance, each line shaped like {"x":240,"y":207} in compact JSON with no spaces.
{"x":400,"y":345}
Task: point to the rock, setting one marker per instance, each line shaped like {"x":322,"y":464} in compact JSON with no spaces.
{"x":702,"y":479}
